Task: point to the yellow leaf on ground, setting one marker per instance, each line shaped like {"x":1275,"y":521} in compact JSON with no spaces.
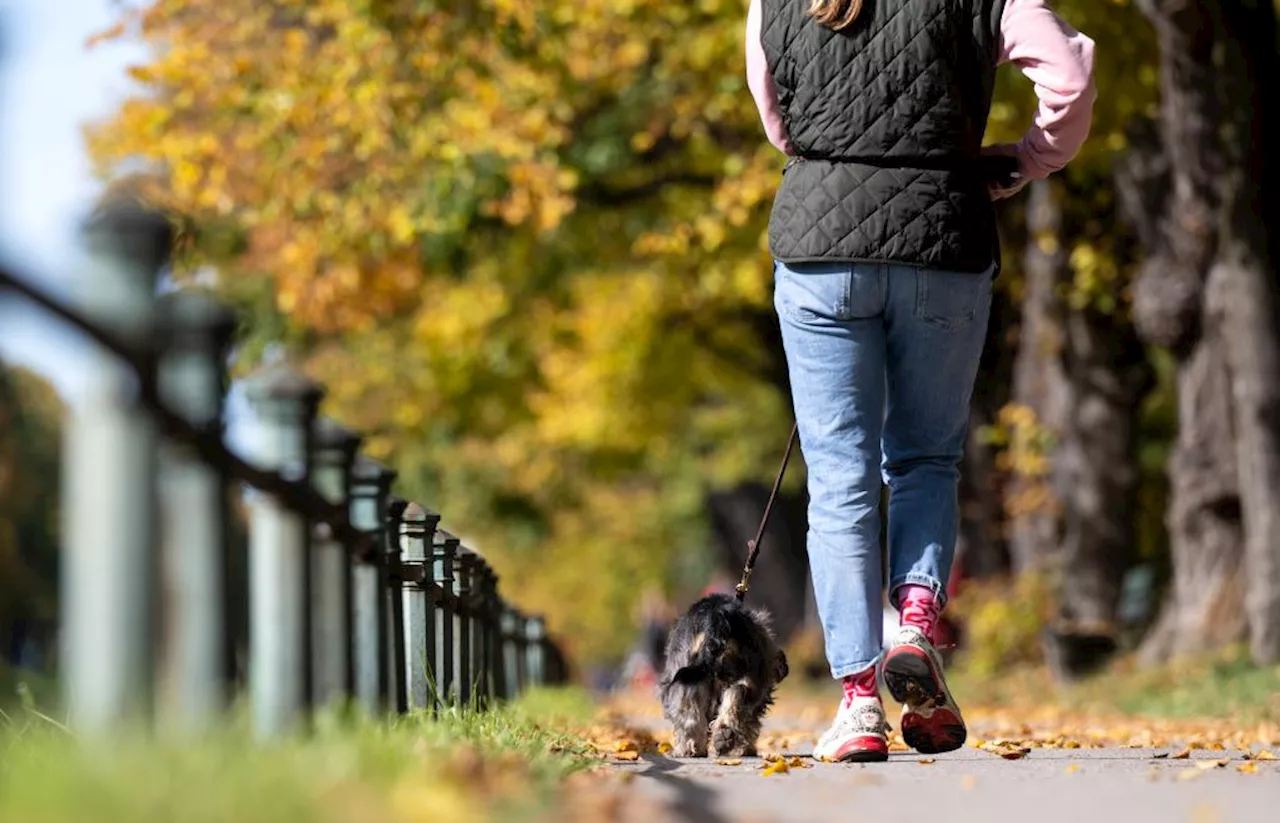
{"x":664,"y":748}
{"x":1073,"y":768}
{"x":1182,"y":755}
{"x":1247,"y":768}
{"x":799,"y":763}
{"x":1265,"y":754}
{"x":629,"y":756}
{"x":729,"y":761}
{"x":1206,"y":765}
{"x":776,"y":767}
{"x":927,"y":761}
{"x":626,"y":746}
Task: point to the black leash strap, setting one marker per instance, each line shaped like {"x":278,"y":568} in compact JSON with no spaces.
{"x":753,"y":548}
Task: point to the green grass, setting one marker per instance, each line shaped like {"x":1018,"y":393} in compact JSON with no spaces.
{"x":1225,"y":686}
{"x":497,"y":765}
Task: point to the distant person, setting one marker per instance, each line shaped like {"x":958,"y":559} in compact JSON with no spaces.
{"x":884,"y":237}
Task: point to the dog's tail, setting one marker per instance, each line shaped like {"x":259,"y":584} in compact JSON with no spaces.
{"x":705,"y":657}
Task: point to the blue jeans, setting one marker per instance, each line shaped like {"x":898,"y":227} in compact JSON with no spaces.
{"x":882,"y":360}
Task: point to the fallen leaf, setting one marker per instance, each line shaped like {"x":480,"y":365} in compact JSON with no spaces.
{"x":1247,"y":768}
{"x":770,"y":757}
{"x":1265,"y":754}
{"x":626,"y":746}
{"x":729,"y":761}
{"x":1014,"y":754}
{"x":629,"y":756}
{"x":664,"y":748}
{"x":1189,"y":774}
{"x":1182,"y":755}
{"x":799,"y":763}
{"x":899,"y":747}
{"x":1206,"y":765}
{"x":1073,"y":768}
{"x":927,"y":761}
{"x":1071,"y":744}
{"x":1160,"y":755}
{"x":776,"y":767}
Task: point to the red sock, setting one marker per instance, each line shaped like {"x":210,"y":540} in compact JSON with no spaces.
{"x":918,"y":606}
{"x":860,"y":684}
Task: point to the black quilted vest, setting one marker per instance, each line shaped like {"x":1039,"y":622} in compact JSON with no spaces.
{"x":886,"y":118}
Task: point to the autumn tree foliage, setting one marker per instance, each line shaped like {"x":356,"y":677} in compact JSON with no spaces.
{"x":522,"y":243}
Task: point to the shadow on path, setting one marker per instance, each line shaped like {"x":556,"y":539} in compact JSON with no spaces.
{"x":694,"y":801}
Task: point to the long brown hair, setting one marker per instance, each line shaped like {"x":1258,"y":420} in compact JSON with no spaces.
{"x":835,"y":14}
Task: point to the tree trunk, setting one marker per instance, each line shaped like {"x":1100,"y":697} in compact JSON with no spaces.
{"x":1245,"y":283}
{"x":1039,"y":381}
{"x":781,"y":574}
{"x":1203,"y":607}
{"x":1096,"y":466}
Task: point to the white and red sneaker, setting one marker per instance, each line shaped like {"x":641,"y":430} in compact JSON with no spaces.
{"x":931,"y":721}
{"x":857,"y":735}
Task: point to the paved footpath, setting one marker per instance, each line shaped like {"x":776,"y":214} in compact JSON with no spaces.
{"x":1047,"y":785}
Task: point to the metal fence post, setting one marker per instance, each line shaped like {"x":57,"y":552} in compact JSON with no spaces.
{"x":109,"y":475}
{"x":279,"y":643}
{"x":417,"y":531}
{"x":370,"y":484}
{"x":394,"y":595}
{"x":464,"y":620}
{"x":520,"y":657}
{"x":536,"y":632}
{"x":194,"y":678}
{"x":334,"y":453}
{"x":442,"y":562}
{"x":482,"y":642}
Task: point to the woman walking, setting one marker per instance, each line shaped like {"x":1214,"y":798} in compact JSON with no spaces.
{"x":884,"y":239}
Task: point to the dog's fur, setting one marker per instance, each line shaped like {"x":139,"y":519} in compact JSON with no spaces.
{"x":722,"y":667}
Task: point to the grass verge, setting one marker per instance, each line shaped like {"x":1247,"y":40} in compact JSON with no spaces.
{"x":504,"y":764}
{"x":1223,"y":686}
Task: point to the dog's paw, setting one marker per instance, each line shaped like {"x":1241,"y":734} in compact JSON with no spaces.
{"x":688,"y":748}
{"x":727,"y":742}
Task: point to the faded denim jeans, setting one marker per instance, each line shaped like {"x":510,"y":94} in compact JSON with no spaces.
{"x":882,"y":361}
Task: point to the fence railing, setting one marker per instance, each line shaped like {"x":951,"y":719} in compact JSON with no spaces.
{"x":354,"y":594}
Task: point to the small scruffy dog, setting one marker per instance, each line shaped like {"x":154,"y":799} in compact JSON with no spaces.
{"x":722,"y":666}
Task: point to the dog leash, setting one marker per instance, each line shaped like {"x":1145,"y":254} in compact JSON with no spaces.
{"x":753,"y":548}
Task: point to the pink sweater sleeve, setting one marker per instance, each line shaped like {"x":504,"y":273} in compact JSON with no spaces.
{"x":760,"y":81}
{"x":1058,"y":60}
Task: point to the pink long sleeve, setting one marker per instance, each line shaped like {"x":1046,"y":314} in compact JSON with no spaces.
{"x":760,"y":81}
{"x":1058,"y":60}
{"x":1055,"y":57}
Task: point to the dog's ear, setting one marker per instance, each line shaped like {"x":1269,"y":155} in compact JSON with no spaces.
{"x":781,"y":669}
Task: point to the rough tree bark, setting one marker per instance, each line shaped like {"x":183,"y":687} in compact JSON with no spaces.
{"x":1202,"y":609}
{"x":1084,"y":372}
{"x":1245,"y":287}
{"x":1039,"y":381}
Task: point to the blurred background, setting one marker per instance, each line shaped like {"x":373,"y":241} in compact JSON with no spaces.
{"x":524,"y":246}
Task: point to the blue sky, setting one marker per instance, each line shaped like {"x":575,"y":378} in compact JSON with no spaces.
{"x":50,"y":85}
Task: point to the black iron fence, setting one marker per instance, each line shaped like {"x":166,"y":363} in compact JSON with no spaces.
{"x":354,"y":594}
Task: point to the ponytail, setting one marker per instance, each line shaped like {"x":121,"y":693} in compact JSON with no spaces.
{"x":835,"y":14}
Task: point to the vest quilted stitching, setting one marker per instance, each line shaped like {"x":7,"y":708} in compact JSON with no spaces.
{"x":886,"y":118}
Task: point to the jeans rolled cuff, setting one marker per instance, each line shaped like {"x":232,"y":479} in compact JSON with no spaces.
{"x":918,"y":579}
{"x":841,"y":672}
